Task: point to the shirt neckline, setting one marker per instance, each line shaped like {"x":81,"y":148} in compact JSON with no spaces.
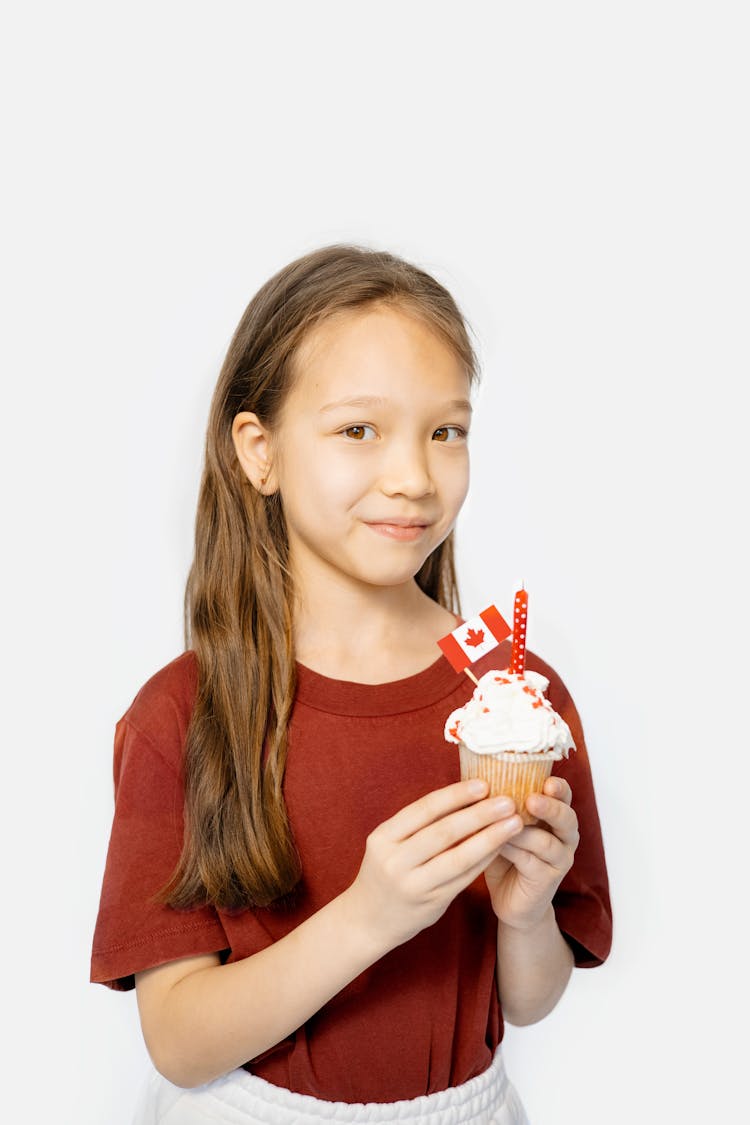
{"x":350,"y":697}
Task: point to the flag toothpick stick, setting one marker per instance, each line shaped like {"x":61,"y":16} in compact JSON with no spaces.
{"x":473,"y":639}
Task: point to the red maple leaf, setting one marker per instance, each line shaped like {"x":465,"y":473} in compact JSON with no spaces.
{"x":474,"y":637}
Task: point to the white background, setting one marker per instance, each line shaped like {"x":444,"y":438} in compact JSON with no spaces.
{"x":577,"y":175}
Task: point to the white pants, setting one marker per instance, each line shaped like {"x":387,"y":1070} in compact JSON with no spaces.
{"x":241,"y":1098}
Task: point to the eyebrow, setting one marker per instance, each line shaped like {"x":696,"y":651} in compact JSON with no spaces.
{"x":375,"y":400}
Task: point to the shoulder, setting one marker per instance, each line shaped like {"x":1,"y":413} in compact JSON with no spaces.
{"x":161,"y":709}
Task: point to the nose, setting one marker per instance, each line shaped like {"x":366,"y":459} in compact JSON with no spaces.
{"x":407,"y":472}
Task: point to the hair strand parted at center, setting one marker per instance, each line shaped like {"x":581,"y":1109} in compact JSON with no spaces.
{"x":238,"y":848}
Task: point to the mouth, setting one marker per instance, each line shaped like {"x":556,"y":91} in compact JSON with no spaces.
{"x":404,"y":532}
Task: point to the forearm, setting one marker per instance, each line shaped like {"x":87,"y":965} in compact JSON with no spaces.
{"x":533,"y":969}
{"x":220,"y":1017}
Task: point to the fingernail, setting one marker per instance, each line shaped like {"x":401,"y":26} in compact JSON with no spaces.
{"x":502,"y":805}
{"x":477,"y":785}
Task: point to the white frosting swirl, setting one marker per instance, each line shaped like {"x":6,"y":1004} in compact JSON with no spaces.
{"x":509,"y":712}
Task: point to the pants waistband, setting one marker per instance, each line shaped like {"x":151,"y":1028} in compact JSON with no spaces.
{"x":242,"y":1098}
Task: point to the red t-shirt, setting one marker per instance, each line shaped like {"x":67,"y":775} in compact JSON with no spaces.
{"x":425,"y":1016}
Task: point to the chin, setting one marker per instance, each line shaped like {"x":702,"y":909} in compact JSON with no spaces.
{"x":392,"y":576}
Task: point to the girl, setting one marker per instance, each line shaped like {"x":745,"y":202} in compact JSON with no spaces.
{"x":321,"y":921}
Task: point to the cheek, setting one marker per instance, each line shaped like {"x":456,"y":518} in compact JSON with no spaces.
{"x":328,"y":484}
{"x":456,"y":485}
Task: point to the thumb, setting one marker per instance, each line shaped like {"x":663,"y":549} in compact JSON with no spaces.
{"x":496,"y":870}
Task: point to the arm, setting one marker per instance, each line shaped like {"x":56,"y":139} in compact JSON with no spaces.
{"x":534,"y":961}
{"x":533,"y":969}
{"x":201,"y":1019}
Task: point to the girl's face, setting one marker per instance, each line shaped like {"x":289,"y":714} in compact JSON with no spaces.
{"x":348,"y":472}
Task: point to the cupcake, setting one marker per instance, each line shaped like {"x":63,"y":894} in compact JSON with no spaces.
{"x":509,"y":734}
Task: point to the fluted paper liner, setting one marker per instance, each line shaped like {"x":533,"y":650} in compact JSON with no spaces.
{"x":512,"y":775}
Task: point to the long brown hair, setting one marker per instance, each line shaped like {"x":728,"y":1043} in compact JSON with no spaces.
{"x":238,"y":849}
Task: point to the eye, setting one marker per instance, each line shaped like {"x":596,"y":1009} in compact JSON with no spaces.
{"x":360,"y":428}
{"x":462,"y":433}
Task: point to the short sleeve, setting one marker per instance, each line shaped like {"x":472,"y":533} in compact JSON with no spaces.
{"x":134,"y":932}
{"x":582,"y":901}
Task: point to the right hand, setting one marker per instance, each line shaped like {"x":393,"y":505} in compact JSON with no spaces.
{"x":414,"y":865}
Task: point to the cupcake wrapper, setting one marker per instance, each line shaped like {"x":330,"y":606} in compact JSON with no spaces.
{"x":508,"y":778}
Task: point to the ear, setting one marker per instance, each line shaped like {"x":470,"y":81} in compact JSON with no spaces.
{"x":252,"y":443}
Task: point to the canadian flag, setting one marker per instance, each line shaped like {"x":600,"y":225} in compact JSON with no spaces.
{"x":474,"y":638}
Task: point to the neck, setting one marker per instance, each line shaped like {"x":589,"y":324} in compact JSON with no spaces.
{"x":386,"y":633}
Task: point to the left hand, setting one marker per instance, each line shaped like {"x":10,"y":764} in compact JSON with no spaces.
{"x":526,"y":872}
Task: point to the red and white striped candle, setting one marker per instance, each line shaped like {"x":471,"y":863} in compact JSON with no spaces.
{"x":518,"y":648}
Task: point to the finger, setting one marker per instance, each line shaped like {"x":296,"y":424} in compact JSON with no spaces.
{"x":497,"y":868}
{"x":455,"y":885}
{"x":534,"y":868}
{"x":527,"y":864}
{"x":543,"y":846}
{"x":429,"y":808}
{"x":560,"y":817}
{"x":446,"y":832}
{"x":558,"y":787}
{"x":474,"y":853}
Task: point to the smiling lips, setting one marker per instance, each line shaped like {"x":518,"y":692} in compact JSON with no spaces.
{"x":403,"y":529}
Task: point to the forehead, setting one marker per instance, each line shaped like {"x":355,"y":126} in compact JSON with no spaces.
{"x":377,"y":351}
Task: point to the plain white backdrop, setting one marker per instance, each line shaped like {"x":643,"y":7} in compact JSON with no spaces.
{"x":577,"y":175}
